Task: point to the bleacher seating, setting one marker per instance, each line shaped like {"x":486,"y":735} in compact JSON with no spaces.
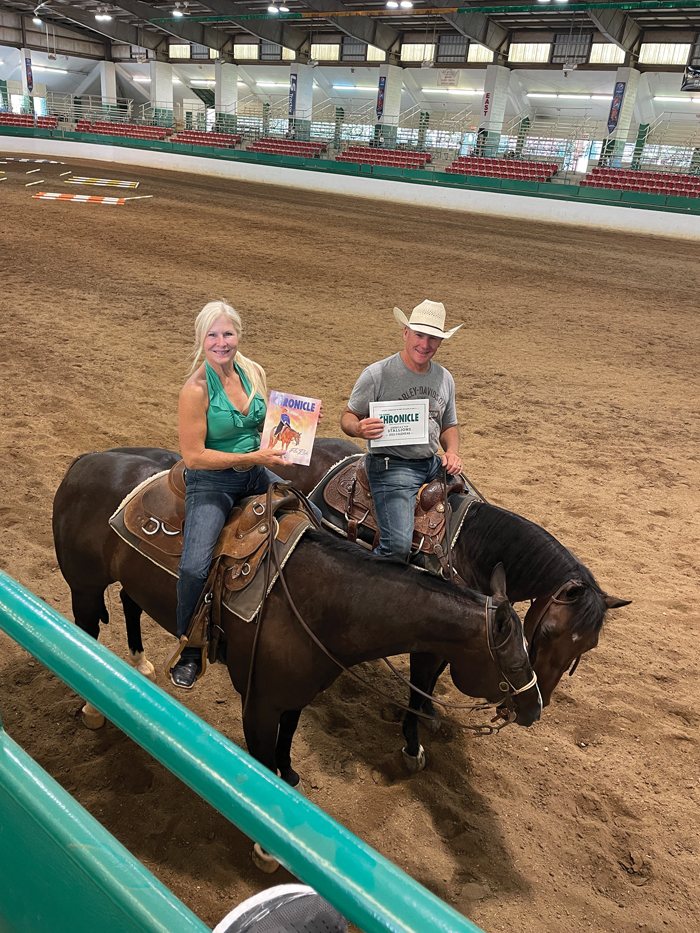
{"x":668,"y":183}
{"x":130,"y":130}
{"x":517,"y":169}
{"x":394,"y":158}
{"x":16,"y":119}
{"x":294,"y":147}
{"x":200,"y":138}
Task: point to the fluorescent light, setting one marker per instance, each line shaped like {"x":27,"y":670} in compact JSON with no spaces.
{"x":271,"y":84}
{"x":57,"y":71}
{"x":541,"y":95}
{"x":353,"y":87}
{"x":451,"y":90}
{"x":605,"y":97}
{"x":679,"y":100}
{"x":141,"y":79}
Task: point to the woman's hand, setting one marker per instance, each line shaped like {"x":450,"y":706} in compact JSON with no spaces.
{"x":271,"y":459}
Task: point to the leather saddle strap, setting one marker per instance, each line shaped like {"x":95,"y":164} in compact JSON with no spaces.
{"x":352,"y":522}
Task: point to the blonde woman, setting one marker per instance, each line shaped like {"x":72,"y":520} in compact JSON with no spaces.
{"x":221,"y":414}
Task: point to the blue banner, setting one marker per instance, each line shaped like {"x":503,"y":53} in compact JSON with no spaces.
{"x":292,"y":94}
{"x":615,"y":106}
{"x":30,"y":76}
{"x":380,"y":97}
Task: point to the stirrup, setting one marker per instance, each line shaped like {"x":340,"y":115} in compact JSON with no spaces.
{"x":174,"y":657}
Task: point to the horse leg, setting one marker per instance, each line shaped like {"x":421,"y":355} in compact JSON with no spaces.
{"x":432,"y":724}
{"x":137,"y":656}
{"x":283,"y":757}
{"x":425,"y":669}
{"x":261,"y":730}
{"x":89,"y":610}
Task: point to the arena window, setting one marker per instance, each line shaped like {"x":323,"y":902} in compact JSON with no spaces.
{"x":417,"y":52}
{"x":479,"y":53}
{"x":270,"y":51}
{"x":201,"y":52}
{"x":529,"y":52}
{"x":452,"y":49}
{"x":288,"y":55}
{"x":664,"y":53}
{"x":249,"y":52}
{"x":605,"y":53}
{"x":325,"y":52}
{"x":375,"y":55}
{"x":179,"y":51}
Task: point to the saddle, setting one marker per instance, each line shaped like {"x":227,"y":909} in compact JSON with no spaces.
{"x":347,"y":492}
{"x":151,"y":520}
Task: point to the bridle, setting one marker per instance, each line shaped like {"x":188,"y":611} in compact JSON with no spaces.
{"x":540,"y":611}
{"x":508,"y":689}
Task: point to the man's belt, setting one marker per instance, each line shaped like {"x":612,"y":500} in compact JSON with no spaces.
{"x":402,"y":459}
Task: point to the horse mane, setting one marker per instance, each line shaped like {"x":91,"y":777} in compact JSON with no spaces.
{"x":534,"y":560}
{"x":383,"y":565}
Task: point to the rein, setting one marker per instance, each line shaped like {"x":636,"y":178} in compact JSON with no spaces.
{"x":505,"y":685}
{"x":542,"y":612}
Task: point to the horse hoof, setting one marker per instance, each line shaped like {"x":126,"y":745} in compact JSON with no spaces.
{"x":414,"y":763}
{"x":92,"y":718}
{"x":433,"y":725}
{"x":139,"y":660}
{"x":263,"y":861}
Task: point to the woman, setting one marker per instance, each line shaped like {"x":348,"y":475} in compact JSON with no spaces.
{"x":221,"y":414}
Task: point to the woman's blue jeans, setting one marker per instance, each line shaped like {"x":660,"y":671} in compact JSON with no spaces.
{"x":394,"y":485}
{"x":211,"y":494}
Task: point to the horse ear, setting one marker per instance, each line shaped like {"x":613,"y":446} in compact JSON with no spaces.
{"x":498,"y":581}
{"x":613,"y":602}
{"x":502,"y":616}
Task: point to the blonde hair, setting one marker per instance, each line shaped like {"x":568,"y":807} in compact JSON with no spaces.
{"x":253,"y":372}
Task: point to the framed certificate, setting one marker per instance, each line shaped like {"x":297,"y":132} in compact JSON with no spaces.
{"x":405,"y":422}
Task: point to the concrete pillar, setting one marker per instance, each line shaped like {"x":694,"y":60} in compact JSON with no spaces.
{"x":301,"y":99}
{"x":226,"y":96}
{"x":108,"y":84}
{"x":388,"y":105}
{"x":27,"y":77}
{"x":645,"y":114}
{"x":620,"y":116}
{"x":496,"y":85}
{"x":162,"y":93}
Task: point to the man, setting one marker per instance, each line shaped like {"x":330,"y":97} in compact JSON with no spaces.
{"x":397,"y":473}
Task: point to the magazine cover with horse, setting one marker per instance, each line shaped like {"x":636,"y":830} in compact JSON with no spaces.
{"x":290,"y":424}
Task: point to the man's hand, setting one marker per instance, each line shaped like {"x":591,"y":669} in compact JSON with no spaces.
{"x":452,"y":463}
{"x":370,"y":428}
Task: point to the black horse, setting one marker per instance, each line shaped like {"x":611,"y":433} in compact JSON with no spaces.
{"x":359,"y":606}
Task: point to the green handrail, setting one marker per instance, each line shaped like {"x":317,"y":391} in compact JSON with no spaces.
{"x":365,"y":887}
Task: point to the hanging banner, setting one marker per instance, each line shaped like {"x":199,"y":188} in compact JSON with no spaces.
{"x":691,"y":79}
{"x":615,"y":106}
{"x":292,"y":94}
{"x":380,"y":97}
{"x":448,"y":77}
{"x":30,"y":76}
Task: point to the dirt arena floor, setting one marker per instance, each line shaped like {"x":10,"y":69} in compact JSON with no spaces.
{"x":577,"y":382}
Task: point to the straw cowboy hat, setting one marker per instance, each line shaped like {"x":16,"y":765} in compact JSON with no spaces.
{"x":427,"y":318}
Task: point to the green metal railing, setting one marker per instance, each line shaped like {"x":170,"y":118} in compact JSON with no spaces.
{"x":360,"y":883}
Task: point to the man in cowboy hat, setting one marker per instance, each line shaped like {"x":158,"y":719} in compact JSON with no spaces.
{"x":397,"y":473}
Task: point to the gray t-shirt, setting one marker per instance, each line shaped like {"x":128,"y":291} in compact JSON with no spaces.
{"x":391,"y":380}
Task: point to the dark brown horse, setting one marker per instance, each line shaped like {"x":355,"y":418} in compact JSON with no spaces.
{"x":568,"y":608}
{"x":361,"y":607}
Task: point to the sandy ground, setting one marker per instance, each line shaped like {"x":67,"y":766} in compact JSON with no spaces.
{"x":578,"y":400}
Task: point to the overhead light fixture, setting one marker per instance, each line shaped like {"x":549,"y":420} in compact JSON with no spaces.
{"x":392,"y":4}
{"x":180,"y":11}
{"x":543,"y":1}
{"x":273,"y":9}
{"x":352,"y":87}
{"x":561,"y":1}
{"x":141,"y":79}
{"x":284,"y":9}
{"x":450,"y":90}
{"x":178,"y":14}
{"x":406,"y":4}
{"x":55,"y":71}
{"x":102,"y":16}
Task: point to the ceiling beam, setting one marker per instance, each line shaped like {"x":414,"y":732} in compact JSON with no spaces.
{"x":618,"y":28}
{"x":366,"y":29}
{"x":114,"y":29}
{"x":272,"y":30}
{"x":198,"y":33}
{"x":479,"y":28}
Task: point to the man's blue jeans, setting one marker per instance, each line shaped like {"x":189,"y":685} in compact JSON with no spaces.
{"x":394,"y":485}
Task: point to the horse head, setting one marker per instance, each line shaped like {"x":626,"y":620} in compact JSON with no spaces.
{"x":509,"y":680}
{"x":561,"y":628}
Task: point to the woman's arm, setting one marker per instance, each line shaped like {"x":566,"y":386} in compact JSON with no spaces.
{"x":192,"y":424}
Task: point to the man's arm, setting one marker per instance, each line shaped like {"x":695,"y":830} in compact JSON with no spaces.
{"x":355,"y":426}
{"x":449,"y":440}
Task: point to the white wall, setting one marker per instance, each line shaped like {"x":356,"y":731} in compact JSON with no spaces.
{"x":630,"y":220}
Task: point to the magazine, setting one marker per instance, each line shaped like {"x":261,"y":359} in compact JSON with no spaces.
{"x":290,"y":426}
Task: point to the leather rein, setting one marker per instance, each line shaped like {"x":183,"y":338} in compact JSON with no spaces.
{"x":541,"y":612}
{"x":508,"y":689}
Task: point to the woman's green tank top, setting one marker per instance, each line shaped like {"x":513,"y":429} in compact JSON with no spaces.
{"x":227,"y":429}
